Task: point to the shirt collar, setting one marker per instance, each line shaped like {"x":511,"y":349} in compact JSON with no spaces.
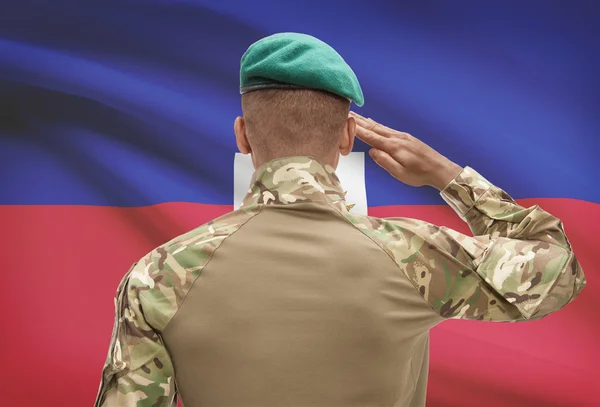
{"x":295,"y":179}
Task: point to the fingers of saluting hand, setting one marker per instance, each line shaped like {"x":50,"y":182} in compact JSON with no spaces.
{"x":378,"y":128}
{"x":369,"y":124}
{"x":374,"y":139}
{"x":373,"y":133}
{"x":362,"y":121}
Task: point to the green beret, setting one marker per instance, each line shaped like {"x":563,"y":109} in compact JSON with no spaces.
{"x":297,"y":61}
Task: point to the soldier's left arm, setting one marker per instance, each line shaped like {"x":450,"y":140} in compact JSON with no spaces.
{"x":138,"y":370}
{"x":518,"y":266}
{"x":483,"y":277}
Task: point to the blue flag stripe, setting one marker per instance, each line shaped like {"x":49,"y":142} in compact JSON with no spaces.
{"x":137,"y":107}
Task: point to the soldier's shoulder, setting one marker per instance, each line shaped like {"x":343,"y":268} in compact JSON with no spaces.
{"x":185,"y":255}
{"x":162,"y":279}
{"x":216,"y":229}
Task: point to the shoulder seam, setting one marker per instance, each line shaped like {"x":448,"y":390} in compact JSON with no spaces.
{"x":391,"y":258}
{"x":210,"y":258}
{"x":368,"y":237}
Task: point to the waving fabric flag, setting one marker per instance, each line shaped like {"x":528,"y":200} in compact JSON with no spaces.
{"x":116,"y":134}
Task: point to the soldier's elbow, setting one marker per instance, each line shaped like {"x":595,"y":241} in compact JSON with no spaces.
{"x":569,"y":284}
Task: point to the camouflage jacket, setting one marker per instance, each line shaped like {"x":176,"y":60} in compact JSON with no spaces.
{"x":518,"y":266}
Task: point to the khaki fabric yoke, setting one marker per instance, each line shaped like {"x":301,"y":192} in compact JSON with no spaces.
{"x":299,"y":308}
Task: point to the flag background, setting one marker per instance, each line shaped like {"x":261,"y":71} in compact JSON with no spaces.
{"x":116,"y":135}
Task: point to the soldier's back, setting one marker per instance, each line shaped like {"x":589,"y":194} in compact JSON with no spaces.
{"x":298,"y":307}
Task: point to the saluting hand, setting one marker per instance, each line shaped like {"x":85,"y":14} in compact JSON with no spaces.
{"x":406,"y":158}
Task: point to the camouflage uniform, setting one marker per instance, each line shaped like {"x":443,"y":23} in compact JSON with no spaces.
{"x":292,"y":300}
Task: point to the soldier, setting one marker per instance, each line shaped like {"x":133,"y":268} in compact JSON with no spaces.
{"x":294,"y":301}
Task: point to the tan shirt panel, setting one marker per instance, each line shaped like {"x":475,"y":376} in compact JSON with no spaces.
{"x":299,"y":308}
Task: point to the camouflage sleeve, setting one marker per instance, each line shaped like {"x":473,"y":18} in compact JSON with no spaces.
{"x":521,"y":258}
{"x":518,"y":266}
{"x":138,"y":371}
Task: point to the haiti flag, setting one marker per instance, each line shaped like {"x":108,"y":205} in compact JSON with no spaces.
{"x":116,"y":135}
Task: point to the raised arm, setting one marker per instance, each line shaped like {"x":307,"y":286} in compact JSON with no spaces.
{"x":518,"y":266}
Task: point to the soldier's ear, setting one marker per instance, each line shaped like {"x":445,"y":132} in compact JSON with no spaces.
{"x":241,"y":138}
{"x":347,"y":140}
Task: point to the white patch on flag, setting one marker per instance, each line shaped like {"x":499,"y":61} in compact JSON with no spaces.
{"x":350,"y":171}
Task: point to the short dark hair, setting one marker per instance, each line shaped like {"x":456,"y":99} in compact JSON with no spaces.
{"x":286,"y":122}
